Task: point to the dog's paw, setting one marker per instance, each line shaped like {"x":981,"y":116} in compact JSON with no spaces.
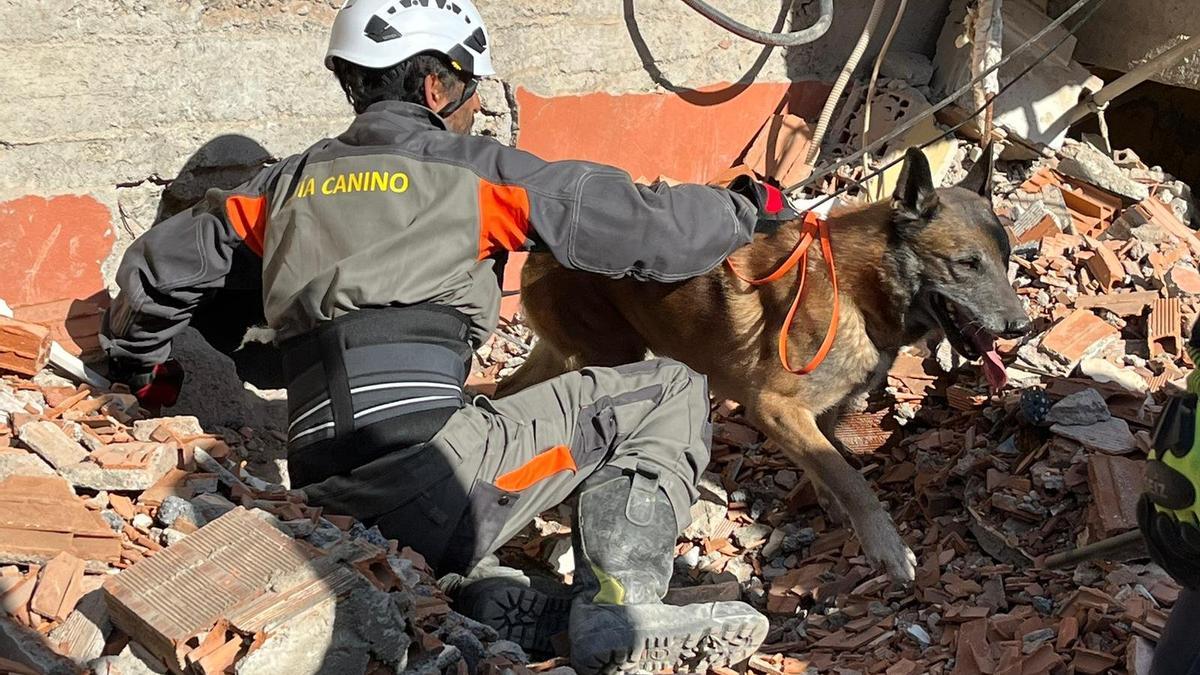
{"x":886,"y":550}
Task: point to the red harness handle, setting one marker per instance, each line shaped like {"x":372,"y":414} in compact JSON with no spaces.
{"x":814,"y":228}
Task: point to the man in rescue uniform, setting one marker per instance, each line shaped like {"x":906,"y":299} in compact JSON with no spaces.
{"x":378,"y":250}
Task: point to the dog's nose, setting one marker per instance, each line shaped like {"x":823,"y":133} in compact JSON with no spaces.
{"x":1015,"y":328}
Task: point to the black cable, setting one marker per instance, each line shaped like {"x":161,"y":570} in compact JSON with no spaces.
{"x":903,"y":129}
{"x":791,"y":39}
{"x":964,"y":122}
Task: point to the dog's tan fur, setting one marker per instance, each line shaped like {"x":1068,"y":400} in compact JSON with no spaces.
{"x":728,"y":330}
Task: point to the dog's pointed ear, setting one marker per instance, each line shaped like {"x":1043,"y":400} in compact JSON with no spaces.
{"x":915,"y":197}
{"x":979,"y":178}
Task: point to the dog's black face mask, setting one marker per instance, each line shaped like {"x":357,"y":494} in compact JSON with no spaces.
{"x":958,"y":253}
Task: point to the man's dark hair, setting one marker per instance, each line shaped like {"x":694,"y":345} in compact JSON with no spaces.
{"x":404,"y":81}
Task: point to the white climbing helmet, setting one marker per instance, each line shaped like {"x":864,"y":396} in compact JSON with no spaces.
{"x":382,"y":33}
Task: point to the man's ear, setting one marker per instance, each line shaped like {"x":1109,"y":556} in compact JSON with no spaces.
{"x":435,"y":98}
{"x":915,"y":198}
{"x":979,"y":178}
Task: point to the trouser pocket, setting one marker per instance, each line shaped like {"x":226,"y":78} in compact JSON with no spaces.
{"x":415,"y":495}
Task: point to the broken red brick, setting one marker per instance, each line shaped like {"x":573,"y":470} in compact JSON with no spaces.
{"x":1078,"y":335}
{"x":59,"y":588}
{"x":40,"y":518}
{"x":1116,"y":485}
{"x":1164,"y":327}
{"x":166,"y":599}
{"x":24,"y":346}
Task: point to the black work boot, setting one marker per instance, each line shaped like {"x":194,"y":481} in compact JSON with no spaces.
{"x":624,"y":539}
{"x":527,"y":609}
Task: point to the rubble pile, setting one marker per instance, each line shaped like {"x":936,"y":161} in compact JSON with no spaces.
{"x":135,"y":544}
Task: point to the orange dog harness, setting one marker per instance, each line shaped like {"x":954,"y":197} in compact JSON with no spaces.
{"x":814,"y":228}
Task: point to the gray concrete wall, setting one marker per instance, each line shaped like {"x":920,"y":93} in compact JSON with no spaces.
{"x":1124,"y":33}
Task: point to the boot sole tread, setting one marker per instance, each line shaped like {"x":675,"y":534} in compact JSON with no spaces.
{"x":526,"y":616}
{"x":734,"y":641}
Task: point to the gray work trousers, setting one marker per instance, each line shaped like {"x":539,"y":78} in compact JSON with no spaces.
{"x":498,"y":463}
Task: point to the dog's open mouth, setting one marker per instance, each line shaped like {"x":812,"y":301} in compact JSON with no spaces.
{"x":969,"y":338}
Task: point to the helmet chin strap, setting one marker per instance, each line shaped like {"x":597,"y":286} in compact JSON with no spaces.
{"x":468,"y":92}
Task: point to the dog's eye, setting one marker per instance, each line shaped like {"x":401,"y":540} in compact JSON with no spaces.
{"x":971,"y":262}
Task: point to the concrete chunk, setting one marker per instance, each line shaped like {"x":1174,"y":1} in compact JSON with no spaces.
{"x":52,"y":444}
{"x":158,"y":462}
{"x":1111,"y":435}
{"x":1083,"y":407}
{"x":14,"y":462}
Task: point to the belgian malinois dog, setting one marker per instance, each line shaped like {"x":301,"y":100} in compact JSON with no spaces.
{"x":928,"y":260}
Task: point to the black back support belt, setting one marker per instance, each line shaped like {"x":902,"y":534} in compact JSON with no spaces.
{"x":370,"y":382}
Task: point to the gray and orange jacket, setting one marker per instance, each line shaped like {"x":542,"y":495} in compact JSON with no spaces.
{"x":378,"y":250}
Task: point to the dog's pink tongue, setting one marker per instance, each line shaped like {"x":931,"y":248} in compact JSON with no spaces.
{"x":993,"y":367}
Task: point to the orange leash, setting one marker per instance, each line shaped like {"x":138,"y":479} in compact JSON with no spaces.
{"x":814,"y":228}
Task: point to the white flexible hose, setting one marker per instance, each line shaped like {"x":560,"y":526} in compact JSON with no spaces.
{"x":887,"y":43}
{"x":843,"y":79}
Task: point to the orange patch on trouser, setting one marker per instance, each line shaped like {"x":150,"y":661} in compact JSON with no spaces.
{"x":542,"y":466}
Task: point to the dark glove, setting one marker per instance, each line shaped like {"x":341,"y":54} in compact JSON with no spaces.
{"x":773,"y":207}
{"x":155,"y":388}
{"x":1169,"y":511}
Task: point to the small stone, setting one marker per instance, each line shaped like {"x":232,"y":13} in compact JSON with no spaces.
{"x":325,"y":534}
{"x":1111,"y":436}
{"x":879,"y":609}
{"x":508,"y":650}
{"x":371,"y":535}
{"x":1043,"y":604}
{"x":918,"y":635}
{"x":100,"y":501}
{"x":403,"y":568}
{"x":798,"y":540}
{"x":774,"y":544}
{"x":688,"y":560}
{"x":752,"y":536}
{"x":171,"y":536}
{"x":786,"y":479}
{"x":1081,"y":408}
{"x":142,"y":523}
{"x":1032,"y":641}
{"x":173,"y":508}
{"x":912,"y":67}
{"x":299,"y":529}
{"x":212,"y":506}
{"x":114,"y":521}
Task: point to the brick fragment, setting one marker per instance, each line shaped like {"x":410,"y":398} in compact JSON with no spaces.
{"x":1165,"y":324}
{"x":164,"y":600}
{"x":1116,"y":485}
{"x":40,"y":517}
{"x":1080,"y":334}
{"x":59,"y":587}
{"x":24,"y":346}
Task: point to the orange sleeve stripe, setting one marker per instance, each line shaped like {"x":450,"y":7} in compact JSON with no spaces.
{"x":503,"y":218}
{"x":248,"y":216}
{"x":541,"y":467}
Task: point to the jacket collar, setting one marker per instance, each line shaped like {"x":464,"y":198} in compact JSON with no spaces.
{"x":381,"y":122}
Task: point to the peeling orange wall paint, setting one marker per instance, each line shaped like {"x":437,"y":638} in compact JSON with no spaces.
{"x":689,"y":137}
{"x":53,"y":248}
